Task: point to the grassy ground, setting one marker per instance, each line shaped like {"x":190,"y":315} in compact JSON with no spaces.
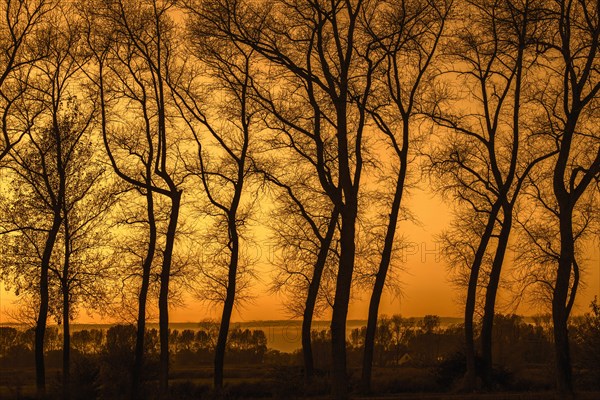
{"x":481,"y":396}
{"x":259,"y":382}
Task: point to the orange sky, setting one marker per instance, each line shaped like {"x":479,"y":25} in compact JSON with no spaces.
{"x":426,"y":289}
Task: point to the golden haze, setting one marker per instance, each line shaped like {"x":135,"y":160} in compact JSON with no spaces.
{"x":425,"y":283}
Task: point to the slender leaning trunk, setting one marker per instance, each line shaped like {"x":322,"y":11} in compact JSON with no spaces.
{"x":311,"y":298}
{"x":470,"y":377}
{"x":386,"y":256}
{"x":560,"y":311}
{"x":490,"y":299}
{"x":227,"y":306}
{"x":339,"y":384}
{"x":66,"y":353}
{"x":142,"y":300}
{"x":163,"y":300}
{"x":507,"y":209}
{"x":40,"y":326}
{"x":40,"y":331}
{"x":348,"y":203}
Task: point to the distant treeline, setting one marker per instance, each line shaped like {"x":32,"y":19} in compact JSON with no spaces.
{"x":432,"y":353}
{"x":186,"y":346}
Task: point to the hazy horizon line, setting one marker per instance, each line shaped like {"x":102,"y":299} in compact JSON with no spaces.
{"x":264,"y":322}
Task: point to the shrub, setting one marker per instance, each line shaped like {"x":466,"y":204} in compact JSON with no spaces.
{"x":452,"y":369}
{"x":85,"y":378}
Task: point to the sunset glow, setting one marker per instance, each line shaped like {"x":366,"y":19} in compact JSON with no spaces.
{"x":286,"y":199}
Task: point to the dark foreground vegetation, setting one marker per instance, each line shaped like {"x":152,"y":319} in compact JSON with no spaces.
{"x":145,"y":143}
{"x":411,"y":356}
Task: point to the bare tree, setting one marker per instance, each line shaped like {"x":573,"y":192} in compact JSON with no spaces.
{"x":306,"y":226}
{"x":301,"y":198}
{"x":488,"y":156}
{"x":54,"y":73}
{"x":134,"y":53}
{"x":407,"y":36}
{"x":224,"y":135}
{"x":79,"y":273}
{"x":46,"y":165}
{"x":100,"y":42}
{"x":316,"y":45}
{"x":304,"y":231}
{"x":19,"y":50}
{"x":84,"y":272}
{"x":537,"y":247}
{"x":569,"y":104}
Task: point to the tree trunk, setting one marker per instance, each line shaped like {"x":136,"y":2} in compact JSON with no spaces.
{"x":307,"y":354}
{"x":386,"y":256}
{"x":66,"y":353}
{"x":560,"y":295}
{"x":222,"y":338}
{"x":142,"y":299}
{"x":560,"y":311}
{"x":163,"y":300}
{"x":339,"y":384}
{"x":40,"y":331}
{"x":564,"y":379}
{"x":470,"y":378}
{"x":490,"y":299}
{"x":227,"y":306}
{"x":40,"y":327}
{"x":311,"y":298}
{"x":139,"y":340}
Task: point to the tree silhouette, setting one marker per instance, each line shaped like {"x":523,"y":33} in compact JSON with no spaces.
{"x":406,"y":35}
{"x":134,"y":50}
{"x":44,"y":165}
{"x":567,"y":103}
{"x":225,"y":164}
{"x":322,"y":56}
{"x":487,"y":156}
{"x":304,"y":233}
{"x":100,"y":40}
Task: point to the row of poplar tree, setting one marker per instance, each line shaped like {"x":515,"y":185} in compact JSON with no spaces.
{"x":143,"y":140}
